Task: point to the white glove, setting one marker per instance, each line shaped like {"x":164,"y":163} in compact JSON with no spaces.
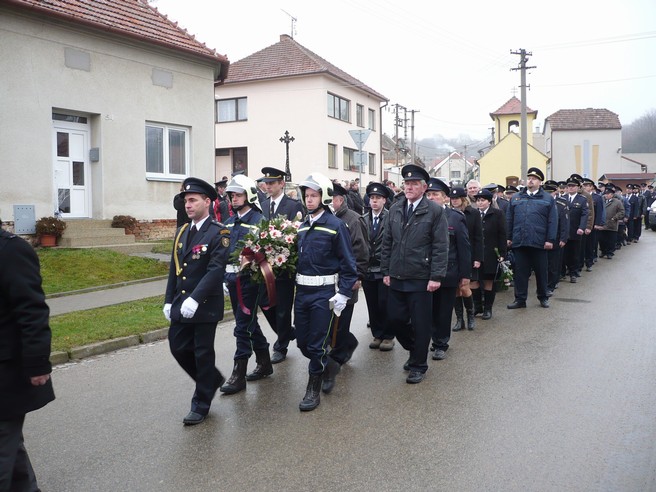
{"x":188,"y":308}
{"x":167,"y":311}
{"x":226,"y":292}
{"x":338,"y":303}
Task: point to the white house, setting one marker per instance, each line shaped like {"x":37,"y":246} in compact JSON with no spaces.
{"x":584,"y":141}
{"x":106,"y":107}
{"x":288,"y":88}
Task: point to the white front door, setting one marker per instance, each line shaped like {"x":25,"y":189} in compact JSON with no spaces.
{"x":71,"y":169}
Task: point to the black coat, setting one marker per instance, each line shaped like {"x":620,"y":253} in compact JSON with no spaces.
{"x":563,"y":220}
{"x":24,"y":330}
{"x":375,"y":243}
{"x":179,"y":206}
{"x":459,"y":264}
{"x":578,"y":215}
{"x":494,"y":236}
{"x":200,"y":274}
{"x":475,"y":230}
{"x":287,"y":207}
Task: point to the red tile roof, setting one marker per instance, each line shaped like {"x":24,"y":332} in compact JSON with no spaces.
{"x":133,"y":18}
{"x":287,"y":58}
{"x":584,"y":119}
{"x":512,"y":106}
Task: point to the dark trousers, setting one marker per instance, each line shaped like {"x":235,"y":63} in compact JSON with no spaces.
{"x":410,"y":315}
{"x":247,"y":332}
{"x":637,"y":228}
{"x":554,"y":262}
{"x":313,"y":319}
{"x":16,"y":473}
{"x":345,"y":343}
{"x":571,"y":256}
{"x":621,"y":235}
{"x":526,"y":260}
{"x":192,"y":346}
{"x":375,"y":292}
{"x":280,"y":315}
{"x":443,"y":300}
{"x":607,"y":242}
{"x":629,"y":230}
{"x":591,"y":246}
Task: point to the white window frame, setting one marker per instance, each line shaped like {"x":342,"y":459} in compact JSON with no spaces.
{"x":166,"y":175}
{"x":372,"y":119}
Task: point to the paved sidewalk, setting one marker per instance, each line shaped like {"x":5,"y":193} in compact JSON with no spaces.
{"x":106,"y":297}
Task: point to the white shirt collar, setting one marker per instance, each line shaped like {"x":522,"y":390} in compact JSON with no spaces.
{"x":200,"y":223}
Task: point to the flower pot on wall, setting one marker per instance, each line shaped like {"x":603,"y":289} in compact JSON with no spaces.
{"x":48,"y":240}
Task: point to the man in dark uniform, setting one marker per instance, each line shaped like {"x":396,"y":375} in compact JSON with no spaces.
{"x":280,"y":316}
{"x":555,"y":255}
{"x":325,"y":276}
{"x":345,"y":341}
{"x":501,"y":201}
{"x":592,"y":241}
{"x":532,"y":225}
{"x":244,"y":294}
{"x":414,"y":261}
{"x":221,"y":206}
{"x":194,"y":294}
{"x":578,"y":211}
{"x":458,"y":271}
{"x":25,"y":383}
{"x":639,"y":212}
{"x":375,"y":291}
{"x":632,"y":200}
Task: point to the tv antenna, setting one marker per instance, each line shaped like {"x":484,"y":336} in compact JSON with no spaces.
{"x":294,"y":19}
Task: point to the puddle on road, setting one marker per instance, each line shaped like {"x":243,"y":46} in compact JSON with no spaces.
{"x":572,"y":300}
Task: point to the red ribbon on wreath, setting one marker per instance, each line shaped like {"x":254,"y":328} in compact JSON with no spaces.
{"x":250,"y":256}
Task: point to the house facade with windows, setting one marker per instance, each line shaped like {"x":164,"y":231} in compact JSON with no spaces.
{"x":286,"y":91}
{"x":107,"y":107}
{"x":586,"y":142}
{"x":454,"y":169}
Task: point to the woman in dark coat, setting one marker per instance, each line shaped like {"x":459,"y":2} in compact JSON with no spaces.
{"x":494,"y":247}
{"x":459,"y":201}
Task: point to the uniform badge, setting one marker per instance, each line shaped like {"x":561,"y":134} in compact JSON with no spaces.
{"x":225,"y":242}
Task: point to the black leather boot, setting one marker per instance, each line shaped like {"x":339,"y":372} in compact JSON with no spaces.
{"x":469,"y":307}
{"x":237,"y":380}
{"x":263,"y":367}
{"x":488,"y":302}
{"x":329,"y":374}
{"x":460,"y":319}
{"x":477,"y":295}
{"x":312,"y":396}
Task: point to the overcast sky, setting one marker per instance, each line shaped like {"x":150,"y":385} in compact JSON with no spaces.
{"x":450,"y":60}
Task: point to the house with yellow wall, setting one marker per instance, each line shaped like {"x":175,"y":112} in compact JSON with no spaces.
{"x":502,"y":163}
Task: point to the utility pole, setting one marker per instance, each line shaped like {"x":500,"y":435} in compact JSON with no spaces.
{"x":412,"y":135}
{"x":524,"y":136}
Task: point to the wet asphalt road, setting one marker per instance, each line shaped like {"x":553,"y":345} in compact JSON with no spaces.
{"x":560,"y":399}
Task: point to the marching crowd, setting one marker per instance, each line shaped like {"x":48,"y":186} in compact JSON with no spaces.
{"x":419,"y":255}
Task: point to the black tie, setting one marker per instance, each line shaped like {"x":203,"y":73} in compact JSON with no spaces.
{"x":411,"y":209}
{"x":482,"y":214}
{"x":273,"y":206}
{"x":375,"y":226}
{"x":190,"y":236}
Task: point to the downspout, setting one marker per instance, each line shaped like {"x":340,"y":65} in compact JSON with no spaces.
{"x":380,"y":140}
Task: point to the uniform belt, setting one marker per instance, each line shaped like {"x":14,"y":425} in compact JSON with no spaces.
{"x":316,"y":280}
{"x":232,"y":269}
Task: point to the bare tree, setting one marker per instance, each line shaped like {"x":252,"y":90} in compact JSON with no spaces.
{"x":640,"y":136}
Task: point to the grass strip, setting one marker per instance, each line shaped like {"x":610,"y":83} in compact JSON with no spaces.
{"x":65,"y":270}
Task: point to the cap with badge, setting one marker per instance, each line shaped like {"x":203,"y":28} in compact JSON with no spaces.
{"x":436,"y":184}
{"x":536,"y":173}
{"x":573,"y":180}
{"x":587,"y":181}
{"x":271,"y":174}
{"x":609,"y":189}
{"x":197,"y":185}
{"x":223,"y":183}
{"x":377,"y":189}
{"x":339,"y":190}
{"x":458,"y":192}
{"x":484,"y":193}
{"x":510,"y":189}
{"x":501,"y":189}
{"x":550,"y":185}
{"x":412,"y":172}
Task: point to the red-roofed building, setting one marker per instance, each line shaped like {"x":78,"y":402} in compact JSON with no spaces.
{"x":584,"y":141}
{"x":107,"y":106}
{"x":287,"y":87}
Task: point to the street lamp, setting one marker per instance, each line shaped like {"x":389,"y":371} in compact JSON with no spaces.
{"x":287,"y":140}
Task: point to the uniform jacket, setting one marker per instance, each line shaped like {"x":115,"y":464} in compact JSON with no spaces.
{"x":24,"y":330}
{"x":181,"y":213}
{"x":563,"y":220}
{"x":503,"y":204}
{"x":375,"y":244}
{"x":459,"y":263}
{"x":590,"y":219}
{"x":475,"y":230}
{"x":239,"y":227}
{"x":355,"y":201}
{"x":633,"y":203}
{"x":494,"y":236}
{"x":614,"y":213}
{"x":287,"y":207}
{"x":532,"y":220}
{"x":578,"y":215}
{"x":359,"y":241}
{"x":201,"y":270}
{"x":416,"y":248}
{"x":324,"y":248}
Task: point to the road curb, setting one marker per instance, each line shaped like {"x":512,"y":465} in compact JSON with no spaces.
{"x":105,"y":287}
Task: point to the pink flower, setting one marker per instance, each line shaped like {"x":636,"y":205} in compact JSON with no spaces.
{"x":289,"y":239}
{"x":263,"y":234}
